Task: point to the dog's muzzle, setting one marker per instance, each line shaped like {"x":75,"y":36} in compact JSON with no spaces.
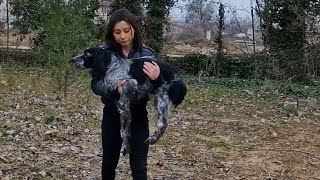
{"x":78,"y":62}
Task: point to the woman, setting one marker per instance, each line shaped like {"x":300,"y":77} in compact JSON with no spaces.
{"x":123,"y":37}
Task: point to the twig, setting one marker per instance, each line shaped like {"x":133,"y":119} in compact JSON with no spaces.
{"x":291,"y":78}
{"x":199,"y":77}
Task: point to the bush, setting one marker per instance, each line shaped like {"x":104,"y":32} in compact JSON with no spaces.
{"x":190,"y":64}
{"x":230,"y":66}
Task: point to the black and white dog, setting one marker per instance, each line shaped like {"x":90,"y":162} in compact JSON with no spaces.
{"x":170,"y":91}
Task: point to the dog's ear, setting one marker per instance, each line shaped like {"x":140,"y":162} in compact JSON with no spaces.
{"x":100,"y":60}
{"x":89,"y":58}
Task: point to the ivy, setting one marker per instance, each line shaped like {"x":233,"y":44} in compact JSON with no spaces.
{"x":284,"y":33}
{"x":219,"y":40}
{"x":157,"y":11}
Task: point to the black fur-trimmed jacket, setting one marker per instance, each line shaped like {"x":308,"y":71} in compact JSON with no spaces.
{"x":97,"y":84}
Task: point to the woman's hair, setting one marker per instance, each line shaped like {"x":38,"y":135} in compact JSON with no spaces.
{"x":127,"y":16}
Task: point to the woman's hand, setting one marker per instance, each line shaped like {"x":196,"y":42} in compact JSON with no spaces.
{"x":152,"y":70}
{"x":121,"y":86}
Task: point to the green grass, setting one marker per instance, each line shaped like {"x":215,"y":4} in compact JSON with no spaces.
{"x":10,"y":126}
{"x":3,"y":106}
{"x":291,"y":111}
{"x":266,"y":87}
{"x":50,"y":118}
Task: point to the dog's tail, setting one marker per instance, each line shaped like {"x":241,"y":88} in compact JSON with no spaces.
{"x":177,"y":92}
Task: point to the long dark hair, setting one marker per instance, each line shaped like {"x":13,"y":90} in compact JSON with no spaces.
{"x":127,"y":16}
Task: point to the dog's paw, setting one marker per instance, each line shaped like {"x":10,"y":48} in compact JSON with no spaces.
{"x":151,"y":140}
{"x":124,"y":150}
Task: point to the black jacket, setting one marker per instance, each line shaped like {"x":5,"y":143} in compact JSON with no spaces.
{"x":97,"y":84}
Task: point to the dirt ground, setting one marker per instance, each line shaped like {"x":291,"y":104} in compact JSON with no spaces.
{"x":217,"y":133}
{"x":203,"y":46}
{"x":15,"y":40}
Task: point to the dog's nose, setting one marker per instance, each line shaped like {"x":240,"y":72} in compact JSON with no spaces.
{"x":72,"y":60}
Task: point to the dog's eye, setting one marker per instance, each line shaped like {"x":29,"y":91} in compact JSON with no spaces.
{"x":88,"y":54}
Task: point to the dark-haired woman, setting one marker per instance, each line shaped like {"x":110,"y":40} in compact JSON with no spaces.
{"x":123,"y":37}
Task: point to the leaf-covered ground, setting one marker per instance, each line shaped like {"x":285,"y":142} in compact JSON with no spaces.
{"x":219,"y":132}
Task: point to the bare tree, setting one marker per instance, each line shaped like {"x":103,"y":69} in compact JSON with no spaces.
{"x":201,"y":13}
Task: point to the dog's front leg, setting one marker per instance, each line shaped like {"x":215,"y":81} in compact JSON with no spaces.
{"x":125,"y":120}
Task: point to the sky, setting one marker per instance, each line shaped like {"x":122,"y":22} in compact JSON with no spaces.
{"x":242,"y":6}
{"x":238,"y":3}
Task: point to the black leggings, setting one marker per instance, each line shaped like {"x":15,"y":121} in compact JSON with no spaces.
{"x":111,"y":142}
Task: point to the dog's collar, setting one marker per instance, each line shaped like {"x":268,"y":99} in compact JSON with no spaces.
{"x":143,"y":57}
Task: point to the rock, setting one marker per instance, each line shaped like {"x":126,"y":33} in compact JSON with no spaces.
{"x":309,"y":103}
{"x":3,"y":82}
{"x":51,"y":132}
{"x":10,"y":132}
{"x":75,"y":149}
{"x":316,"y":113}
{"x":290,"y":103}
{"x":33,"y":148}
{"x":18,"y":106}
{"x":42,"y":173}
{"x":69,"y":130}
{"x":56,"y":150}
{"x":221,"y":109}
{"x":38,"y":118}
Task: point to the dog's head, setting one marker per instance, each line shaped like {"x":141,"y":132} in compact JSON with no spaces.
{"x":96,"y":59}
{"x":90,"y":58}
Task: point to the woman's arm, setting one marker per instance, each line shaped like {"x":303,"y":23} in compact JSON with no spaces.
{"x":98,"y":85}
{"x":99,"y":88}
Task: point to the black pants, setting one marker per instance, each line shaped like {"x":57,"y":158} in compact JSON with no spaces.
{"x":111,"y":142}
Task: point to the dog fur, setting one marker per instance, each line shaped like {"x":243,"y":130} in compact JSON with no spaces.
{"x":169,"y":91}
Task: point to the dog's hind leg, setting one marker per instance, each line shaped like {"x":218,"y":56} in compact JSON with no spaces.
{"x":124,"y":111}
{"x":163,"y":105}
{"x":125,"y":114}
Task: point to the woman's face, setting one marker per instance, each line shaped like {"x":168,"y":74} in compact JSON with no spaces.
{"x":123,"y":33}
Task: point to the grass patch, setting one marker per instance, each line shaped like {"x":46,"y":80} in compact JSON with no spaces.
{"x":50,"y":118}
{"x":10,"y":126}
{"x":254,"y":87}
{"x":216,"y":145}
{"x":290,"y":111}
{"x":3,"y":106}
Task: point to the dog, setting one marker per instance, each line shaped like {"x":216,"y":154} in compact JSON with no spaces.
{"x":169,"y":91}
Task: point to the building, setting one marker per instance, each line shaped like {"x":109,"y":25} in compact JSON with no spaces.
{"x":104,"y":9}
{"x":313,"y":29}
{"x":3,"y":16}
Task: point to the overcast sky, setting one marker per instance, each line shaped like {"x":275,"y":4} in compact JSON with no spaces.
{"x":242,"y":6}
{"x":238,"y":3}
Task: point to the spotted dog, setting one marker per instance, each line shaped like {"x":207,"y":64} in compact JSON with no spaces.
{"x":170,"y":90}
